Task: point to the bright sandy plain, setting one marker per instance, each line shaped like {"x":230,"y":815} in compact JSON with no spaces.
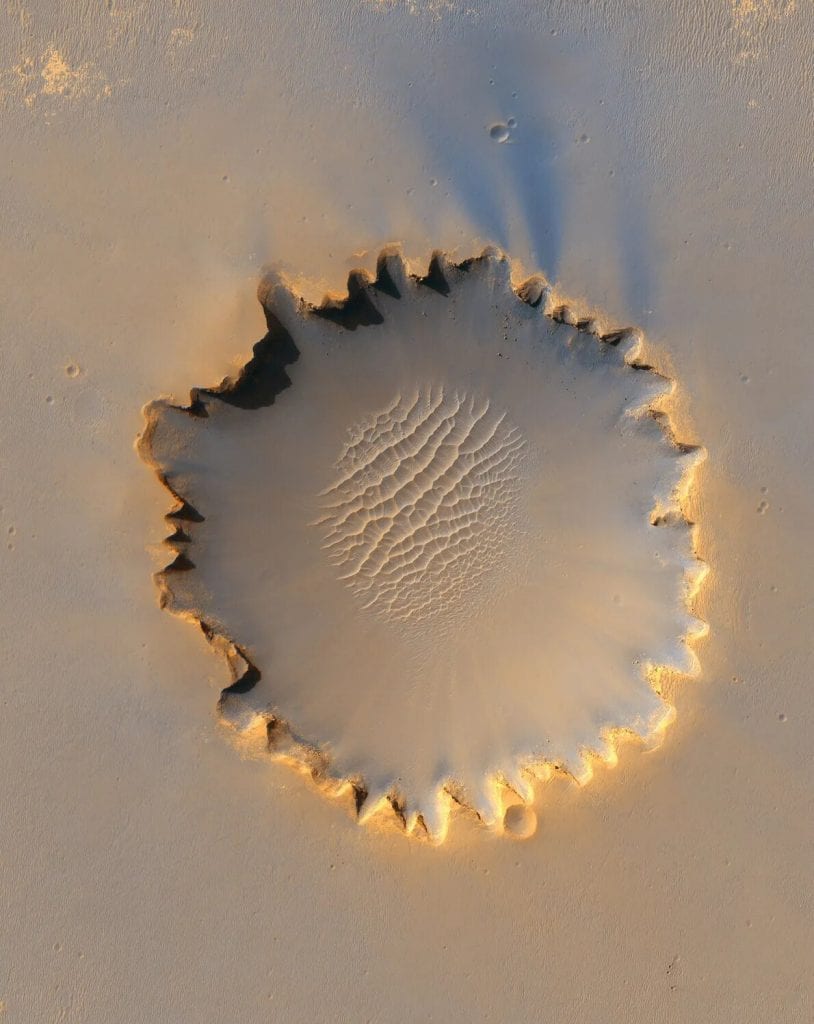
{"x":154,"y":159}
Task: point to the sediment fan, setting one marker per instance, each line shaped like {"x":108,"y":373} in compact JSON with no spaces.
{"x":436,"y":531}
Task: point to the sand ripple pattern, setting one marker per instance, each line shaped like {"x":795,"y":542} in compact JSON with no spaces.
{"x":425,"y":503}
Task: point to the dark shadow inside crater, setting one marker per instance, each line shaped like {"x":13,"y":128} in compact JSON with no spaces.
{"x":262,"y":378}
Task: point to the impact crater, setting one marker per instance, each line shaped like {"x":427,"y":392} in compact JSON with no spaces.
{"x":436,"y":530}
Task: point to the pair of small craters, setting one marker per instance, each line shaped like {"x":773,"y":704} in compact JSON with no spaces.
{"x":436,"y":530}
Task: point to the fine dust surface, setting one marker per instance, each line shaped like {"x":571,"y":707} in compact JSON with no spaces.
{"x":653,"y":161}
{"x":452,"y":547}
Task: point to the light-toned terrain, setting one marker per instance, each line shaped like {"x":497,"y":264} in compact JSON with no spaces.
{"x":654,"y":162}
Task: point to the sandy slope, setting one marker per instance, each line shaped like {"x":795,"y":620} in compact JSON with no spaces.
{"x":152,"y":162}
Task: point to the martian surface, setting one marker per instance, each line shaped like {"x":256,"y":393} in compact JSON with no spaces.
{"x":405,"y":486}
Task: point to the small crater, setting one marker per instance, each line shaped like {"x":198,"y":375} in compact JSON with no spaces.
{"x":520,"y":822}
{"x":499,"y":132}
{"x":72,"y":370}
